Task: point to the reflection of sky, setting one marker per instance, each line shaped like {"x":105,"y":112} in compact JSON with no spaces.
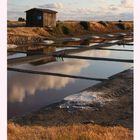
{"x":27,"y":90}
{"x":16,"y":55}
{"x":30,"y":84}
{"x":109,"y":54}
{"x":63,"y":48}
{"x":125,"y":47}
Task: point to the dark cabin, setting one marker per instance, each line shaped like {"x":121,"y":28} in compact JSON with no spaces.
{"x":40,"y":18}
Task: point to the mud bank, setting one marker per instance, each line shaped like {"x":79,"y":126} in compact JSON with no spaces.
{"x":109,"y":103}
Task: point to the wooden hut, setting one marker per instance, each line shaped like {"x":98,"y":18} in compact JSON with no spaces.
{"x":36,"y":17}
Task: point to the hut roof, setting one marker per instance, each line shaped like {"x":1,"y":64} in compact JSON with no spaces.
{"x":43,"y":10}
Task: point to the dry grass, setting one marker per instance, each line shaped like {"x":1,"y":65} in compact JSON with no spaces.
{"x":27,"y":31}
{"x":19,"y":34}
{"x":110,"y":26}
{"x":16,"y":24}
{"x":71,"y":132}
{"x":74,"y":28}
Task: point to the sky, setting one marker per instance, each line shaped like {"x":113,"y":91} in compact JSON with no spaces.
{"x":88,"y":10}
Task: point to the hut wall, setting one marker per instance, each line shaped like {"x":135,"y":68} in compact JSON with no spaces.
{"x":34,"y":18}
{"x":49,"y":19}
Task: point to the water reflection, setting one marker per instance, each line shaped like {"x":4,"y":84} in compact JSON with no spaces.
{"x":95,"y":53}
{"x":22,"y":84}
{"x":27,"y":92}
{"x":16,"y":55}
{"x":108,"y":53}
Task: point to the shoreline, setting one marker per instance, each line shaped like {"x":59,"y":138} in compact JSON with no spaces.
{"x":116,"y":110}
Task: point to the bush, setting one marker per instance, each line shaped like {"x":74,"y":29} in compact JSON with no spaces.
{"x":21,"y":19}
{"x":121,"y":26}
{"x":120,"y":21}
{"x":65,"y":30}
{"x":85,"y":24}
{"x":103,"y":23}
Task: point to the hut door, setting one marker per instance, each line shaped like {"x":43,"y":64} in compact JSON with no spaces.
{"x":49,"y":20}
{"x":39,"y":18}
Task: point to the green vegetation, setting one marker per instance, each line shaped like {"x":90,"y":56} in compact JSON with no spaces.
{"x":121,"y":26}
{"x":20,"y":19}
{"x":65,"y":30}
{"x":85,"y":25}
{"x":120,"y":21}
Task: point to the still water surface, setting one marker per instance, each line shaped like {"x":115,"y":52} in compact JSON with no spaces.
{"x":27,"y":92}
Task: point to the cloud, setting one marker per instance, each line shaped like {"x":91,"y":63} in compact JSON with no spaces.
{"x":127,"y":3}
{"x":112,"y":12}
{"x":126,"y":16}
{"x":107,"y":10}
{"x":15,"y":11}
{"x":29,"y":85}
{"x":14,"y":15}
{"x":53,"y":6}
